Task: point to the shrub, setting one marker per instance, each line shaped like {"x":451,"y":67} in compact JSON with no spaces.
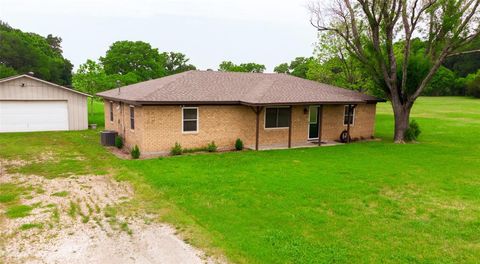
{"x":193,"y":150}
{"x":176,"y":150}
{"x":212,"y":147}
{"x":118,"y":142}
{"x":473,"y":86}
{"x":135,"y":152}
{"x":238,"y":144}
{"x":413,"y":131}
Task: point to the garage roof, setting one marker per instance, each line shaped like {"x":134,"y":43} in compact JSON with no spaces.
{"x":43,"y":81}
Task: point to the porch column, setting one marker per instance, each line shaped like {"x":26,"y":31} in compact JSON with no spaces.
{"x":319,"y":123}
{"x":348,"y":122}
{"x":350,"y":113}
{"x":257,"y":111}
{"x":290,"y":128}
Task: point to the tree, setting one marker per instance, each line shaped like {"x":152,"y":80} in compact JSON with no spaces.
{"x":463,"y":63}
{"x":443,"y":83}
{"x":472,"y":82}
{"x":368,"y":30}
{"x":467,"y":60}
{"x":6,"y":71}
{"x":298,"y":67}
{"x":228,"y":66}
{"x":252,"y":67}
{"x":91,"y":79}
{"x":282,"y":68}
{"x":176,"y":62}
{"x":135,"y":57}
{"x":30,"y":52}
{"x":55,"y":43}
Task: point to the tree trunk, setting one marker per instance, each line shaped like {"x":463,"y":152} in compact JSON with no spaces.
{"x":402,"y":121}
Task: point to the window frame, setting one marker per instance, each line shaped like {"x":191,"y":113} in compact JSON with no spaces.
{"x":345,"y":107}
{"x":265,"y":117}
{"x":111,"y":112}
{"x":196,"y":120}
{"x":132,"y":124}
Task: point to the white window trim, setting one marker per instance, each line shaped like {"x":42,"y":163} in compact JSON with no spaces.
{"x":130,"y":118}
{"x":353,"y":116}
{"x":111,"y":112}
{"x":198,"y":120}
{"x":265,"y":118}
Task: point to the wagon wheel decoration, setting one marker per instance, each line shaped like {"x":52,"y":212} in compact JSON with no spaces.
{"x":344,"y":136}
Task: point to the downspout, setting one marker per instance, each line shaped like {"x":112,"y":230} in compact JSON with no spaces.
{"x":123,"y":122}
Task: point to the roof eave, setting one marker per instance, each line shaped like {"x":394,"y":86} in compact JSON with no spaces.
{"x":376,"y":100}
{"x":305,"y":103}
{"x":135,"y":102}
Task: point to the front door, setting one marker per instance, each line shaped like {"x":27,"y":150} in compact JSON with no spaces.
{"x":313,"y":122}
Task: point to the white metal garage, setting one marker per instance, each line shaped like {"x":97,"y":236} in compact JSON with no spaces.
{"x":26,"y":116}
{"x":31,"y":104}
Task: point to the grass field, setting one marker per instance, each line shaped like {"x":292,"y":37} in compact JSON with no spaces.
{"x":358,"y":203}
{"x":96,"y":113}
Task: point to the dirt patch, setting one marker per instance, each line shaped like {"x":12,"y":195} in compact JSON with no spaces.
{"x":75,"y":220}
{"x":119,"y":153}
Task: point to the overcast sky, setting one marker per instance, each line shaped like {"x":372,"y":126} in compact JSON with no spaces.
{"x":208,"y":31}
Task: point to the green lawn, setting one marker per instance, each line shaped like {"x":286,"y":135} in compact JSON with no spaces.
{"x":358,"y":203}
{"x":96,"y":113}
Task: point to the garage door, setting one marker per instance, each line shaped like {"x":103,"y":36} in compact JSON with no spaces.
{"x":23,"y":116}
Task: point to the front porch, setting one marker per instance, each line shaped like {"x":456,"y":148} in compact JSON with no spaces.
{"x":299,"y":126}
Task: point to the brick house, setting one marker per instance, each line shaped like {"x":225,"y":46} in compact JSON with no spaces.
{"x":264,"y":110}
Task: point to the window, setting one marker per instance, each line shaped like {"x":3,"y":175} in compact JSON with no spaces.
{"x":190,"y":119}
{"x":132,"y":118}
{"x":348,"y":115}
{"x":278,"y":117}
{"x":111,"y":111}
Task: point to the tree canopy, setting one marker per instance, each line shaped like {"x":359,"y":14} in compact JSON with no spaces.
{"x":298,"y":67}
{"x":176,"y":62}
{"x":135,"y":57}
{"x":22,"y":52}
{"x":368,"y":30}
{"x":91,"y":78}
{"x":128,"y":62}
{"x":467,"y":60}
{"x":228,"y":66}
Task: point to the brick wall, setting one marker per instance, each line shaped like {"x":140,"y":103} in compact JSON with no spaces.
{"x":157,"y":128}
{"x":121,"y":122}
{"x":272,"y":136}
{"x":222,"y":124}
{"x":363,"y":127}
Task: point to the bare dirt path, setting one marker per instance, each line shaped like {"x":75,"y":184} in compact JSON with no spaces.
{"x":74,"y":220}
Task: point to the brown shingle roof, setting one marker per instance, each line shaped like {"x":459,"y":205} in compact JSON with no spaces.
{"x":233,"y":88}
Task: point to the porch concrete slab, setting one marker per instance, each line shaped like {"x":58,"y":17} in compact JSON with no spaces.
{"x":309,"y":144}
